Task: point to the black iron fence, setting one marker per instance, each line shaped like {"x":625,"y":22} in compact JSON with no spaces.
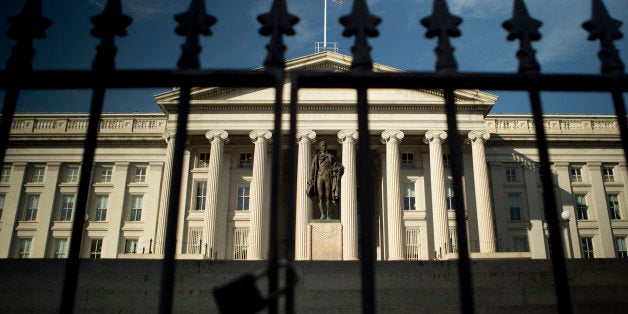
{"x":31,"y":24}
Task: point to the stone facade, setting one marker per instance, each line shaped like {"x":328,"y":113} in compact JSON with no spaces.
{"x":224,"y":209}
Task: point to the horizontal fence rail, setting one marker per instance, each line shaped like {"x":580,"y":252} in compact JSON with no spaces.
{"x":31,"y":24}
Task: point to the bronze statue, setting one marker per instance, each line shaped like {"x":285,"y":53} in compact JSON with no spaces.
{"x":325,"y":180}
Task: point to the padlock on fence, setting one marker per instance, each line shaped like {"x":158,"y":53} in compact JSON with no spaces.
{"x":242,"y":296}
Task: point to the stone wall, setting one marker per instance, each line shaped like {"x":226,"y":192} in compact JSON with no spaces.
{"x":124,"y":286}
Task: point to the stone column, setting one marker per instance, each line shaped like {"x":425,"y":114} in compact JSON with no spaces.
{"x":349,"y":196}
{"x":437,"y":178}
{"x":486,"y":230}
{"x":217,"y":139}
{"x":162,"y":216}
{"x":304,"y":204}
{"x":393,"y":199}
{"x":256,"y":205}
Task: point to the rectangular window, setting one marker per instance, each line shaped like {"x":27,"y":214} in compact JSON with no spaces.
{"x":5,"y":175}
{"x":587,"y":247}
{"x":71,"y":174}
{"x":1,"y":205}
{"x":32,"y":202}
{"x":613,"y":206}
{"x":246,"y":160}
{"x":413,"y":245}
{"x":452,"y":245}
{"x":581,"y":207}
{"x":407,"y":160}
{"x":607,"y":174}
{"x":60,"y":247}
{"x":449,"y":196}
{"x":130,"y":246}
{"x":139,"y":175}
{"x":575,"y":173}
{"x":201,"y":195}
{"x":195,"y":240}
{"x":519,"y":244}
{"x":203,"y":160}
{"x":514,"y":207}
{"x":620,"y":247}
{"x":136,"y":208}
{"x":240,"y":243}
{"x":96,"y":248}
{"x":37,"y":174}
{"x":24,"y":248}
{"x":101,"y":208}
{"x":408,"y":196}
{"x":243,"y":196}
{"x":511,"y":174}
{"x":67,"y":206}
{"x":105,"y":174}
{"x":445,"y":160}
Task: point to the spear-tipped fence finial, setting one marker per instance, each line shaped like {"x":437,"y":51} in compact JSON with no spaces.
{"x":361,"y":24}
{"x":192,"y":23}
{"x":525,"y":28}
{"x":276,"y":23}
{"x":444,"y":25}
{"x":605,"y":28}
{"x":110,"y":23}
{"x":24,"y":27}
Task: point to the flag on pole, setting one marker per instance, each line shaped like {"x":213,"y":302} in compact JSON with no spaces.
{"x":339,"y":1}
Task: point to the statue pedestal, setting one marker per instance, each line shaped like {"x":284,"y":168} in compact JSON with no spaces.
{"x":325,"y":240}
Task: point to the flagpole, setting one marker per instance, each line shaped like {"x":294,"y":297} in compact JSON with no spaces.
{"x":325,"y":28}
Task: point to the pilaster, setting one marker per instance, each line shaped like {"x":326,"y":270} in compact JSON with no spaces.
{"x":605,"y":239}
{"x":11,"y":208}
{"x":45,"y":210}
{"x":115,"y":210}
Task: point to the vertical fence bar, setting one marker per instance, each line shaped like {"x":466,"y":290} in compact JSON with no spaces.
{"x":561,"y":285}
{"x":464,"y":267}
{"x":291,"y":184}
{"x":274,"y":248}
{"x":168,"y":271}
{"x":72,"y":263}
{"x":8,"y":111}
{"x":365,"y":203}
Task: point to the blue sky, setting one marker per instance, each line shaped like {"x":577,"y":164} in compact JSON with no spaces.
{"x":152,"y":44}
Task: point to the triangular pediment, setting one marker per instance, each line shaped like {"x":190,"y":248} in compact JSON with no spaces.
{"x":330,"y":62}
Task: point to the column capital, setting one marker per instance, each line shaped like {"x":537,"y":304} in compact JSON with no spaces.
{"x":167,"y":136}
{"x":305,"y":135}
{"x":431,"y":136}
{"x":482,"y":136}
{"x":392,"y":135}
{"x":216,"y":135}
{"x":344,"y":135}
{"x":260,"y":135}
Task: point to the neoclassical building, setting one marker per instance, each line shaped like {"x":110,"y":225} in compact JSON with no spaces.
{"x":224,"y":208}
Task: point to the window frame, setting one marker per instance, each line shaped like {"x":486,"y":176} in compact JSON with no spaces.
{"x":24,"y":251}
{"x":106,"y":173}
{"x":240,"y":243}
{"x":587,"y":247}
{"x":614,"y":207}
{"x":139,"y":174}
{"x":244,"y":197}
{"x":582,"y":209}
{"x":449,"y":196}
{"x":200,"y":199}
{"x":5,"y":174}
{"x":608,"y":174}
{"x":57,"y":253}
{"x":523,"y":242}
{"x":2,"y":200}
{"x":407,"y":160}
{"x":515,"y":212}
{"x":246,"y":160}
{"x":95,"y":251}
{"x":65,"y":211}
{"x":575,"y":173}
{"x":100,"y":213}
{"x":70,"y":176}
{"x":131,"y":243}
{"x":621,"y":250}
{"x":409,"y":201}
{"x":30,"y":213}
{"x":511,"y":174}
{"x":38,"y":174}
{"x":135,"y":213}
{"x":202,"y":162}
